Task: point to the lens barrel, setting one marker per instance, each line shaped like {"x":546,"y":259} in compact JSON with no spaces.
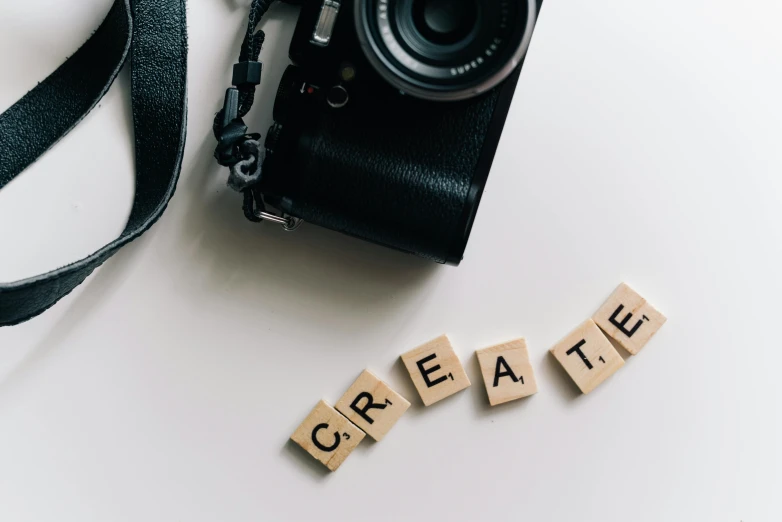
{"x":444,"y":49}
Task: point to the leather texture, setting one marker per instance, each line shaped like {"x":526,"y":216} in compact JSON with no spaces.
{"x":386,"y":167}
{"x":153,"y":34}
{"x":398,"y":174}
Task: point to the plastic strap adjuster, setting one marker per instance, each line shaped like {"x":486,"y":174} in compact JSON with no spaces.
{"x":247,"y":73}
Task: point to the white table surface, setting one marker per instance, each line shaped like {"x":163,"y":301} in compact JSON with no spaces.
{"x":644,"y":145}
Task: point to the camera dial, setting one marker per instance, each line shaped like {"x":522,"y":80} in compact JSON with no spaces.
{"x":444,"y":49}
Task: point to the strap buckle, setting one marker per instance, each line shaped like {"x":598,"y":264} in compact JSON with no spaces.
{"x":254,"y":209}
{"x":243,"y":153}
{"x":289,"y":223}
{"x":231,"y":131}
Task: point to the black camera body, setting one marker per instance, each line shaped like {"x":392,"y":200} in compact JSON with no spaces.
{"x":399,"y":163}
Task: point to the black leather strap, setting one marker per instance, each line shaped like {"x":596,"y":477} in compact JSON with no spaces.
{"x":154,"y":34}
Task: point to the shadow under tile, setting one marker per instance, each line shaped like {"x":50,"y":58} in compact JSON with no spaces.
{"x":305,"y":461}
{"x":552,"y":371}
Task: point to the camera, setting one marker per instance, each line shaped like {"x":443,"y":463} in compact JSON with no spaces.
{"x":386,"y":125}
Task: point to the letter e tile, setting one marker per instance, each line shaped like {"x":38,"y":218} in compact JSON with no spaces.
{"x":628,"y":319}
{"x":435,"y":370}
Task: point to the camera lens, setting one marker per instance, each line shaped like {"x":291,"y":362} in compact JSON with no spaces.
{"x":444,"y":49}
{"x":445,"y":22}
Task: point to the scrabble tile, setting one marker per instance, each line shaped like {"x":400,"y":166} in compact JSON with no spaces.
{"x":628,"y":319}
{"x":507,"y":372}
{"x":372,"y":406}
{"x":327,"y":435}
{"x":435,"y":370}
{"x":587,"y":356}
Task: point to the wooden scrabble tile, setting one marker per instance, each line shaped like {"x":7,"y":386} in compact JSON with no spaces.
{"x":628,"y":319}
{"x":587,"y":356}
{"x":436,"y":370}
{"x":371,"y":405}
{"x":327,"y":435}
{"x":507,"y":371}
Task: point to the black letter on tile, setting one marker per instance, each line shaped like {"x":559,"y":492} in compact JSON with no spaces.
{"x":577,"y":349}
{"x":426,"y":371}
{"x":369,"y":406}
{"x":321,"y":446}
{"x":505,"y":373}
{"x":621,"y":326}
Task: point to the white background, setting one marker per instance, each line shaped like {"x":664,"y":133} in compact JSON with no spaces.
{"x":643,"y":145}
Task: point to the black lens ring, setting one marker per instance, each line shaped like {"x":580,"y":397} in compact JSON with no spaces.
{"x":433,"y":23}
{"x":416,"y":43}
{"x":445,"y":68}
{"x":395,"y":72}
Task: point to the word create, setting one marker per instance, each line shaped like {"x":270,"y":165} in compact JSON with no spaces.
{"x":327,"y":435}
{"x":435,"y":370}
{"x":507,"y":372}
{"x":372,"y":405}
{"x":587,"y":356}
{"x":628,"y":319}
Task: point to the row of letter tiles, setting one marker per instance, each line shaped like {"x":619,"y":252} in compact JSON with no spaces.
{"x":330,"y":435}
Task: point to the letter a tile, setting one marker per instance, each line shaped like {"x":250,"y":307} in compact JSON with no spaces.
{"x":507,"y":371}
{"x":587,"y":356}
{"x":628,"y":319}
{"x":327,"y":436}
{"x":372,"y":406}
{"x":436,"y":370}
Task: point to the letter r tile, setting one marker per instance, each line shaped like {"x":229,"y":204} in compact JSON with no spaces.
{"x":587,"y":356}
{"x":435,"y":370}
{"x":371,"y":405}
{"x":628,"y":319}
{"x":327,"y":435}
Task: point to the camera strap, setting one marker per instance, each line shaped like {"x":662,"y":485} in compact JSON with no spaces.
{"x":153,"y":34}
{"x":241,"y":152}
